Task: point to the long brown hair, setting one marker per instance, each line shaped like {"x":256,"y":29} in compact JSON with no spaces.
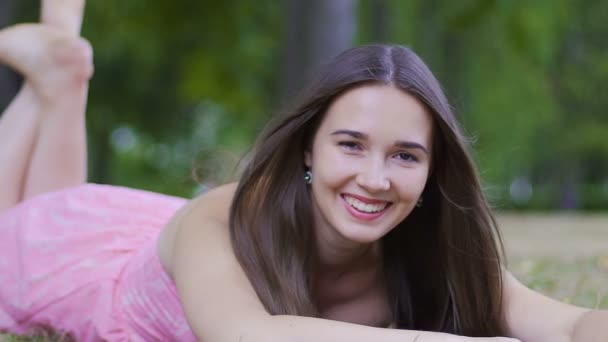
{"x":442,"y":264}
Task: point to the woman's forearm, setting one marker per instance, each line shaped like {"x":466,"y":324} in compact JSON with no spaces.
{"x":591,"y":327}
{"x":307,"y":329}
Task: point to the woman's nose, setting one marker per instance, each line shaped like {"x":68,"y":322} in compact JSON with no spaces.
{"x":373,"y":177}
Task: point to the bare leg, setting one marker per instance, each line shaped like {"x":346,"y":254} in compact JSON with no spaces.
{"x":48,"y":114}
{"x":59,"y":155}
{"x":65,"y":15}
{"x":18,"y":126}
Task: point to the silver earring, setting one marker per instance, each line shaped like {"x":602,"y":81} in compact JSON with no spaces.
{"x":419,"y":202}
{"x":308,"y":177}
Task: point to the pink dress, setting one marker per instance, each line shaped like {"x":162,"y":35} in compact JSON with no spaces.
{"x":83,"y":261}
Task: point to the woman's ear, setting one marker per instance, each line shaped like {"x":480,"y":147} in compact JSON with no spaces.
{"x":308,"y":159}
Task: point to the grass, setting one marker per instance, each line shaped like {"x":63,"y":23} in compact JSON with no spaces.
{"x":40,"y":338}
{"x":582,"y":282}
{"x":564,"y":256}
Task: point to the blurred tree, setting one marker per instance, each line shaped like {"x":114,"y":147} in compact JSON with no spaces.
{"x":498,"y":61}
{"x":175,"y":80}
{"x":379,"y":13}
{"x":578,"y":76}
{"x":374,"y":22}
{"x":208,"y":67}
{"x":314,"y":32}
{"x":187,"y":69}
{"x":9,"y":81}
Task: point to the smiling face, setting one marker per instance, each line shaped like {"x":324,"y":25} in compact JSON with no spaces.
{"x":370,"y":161}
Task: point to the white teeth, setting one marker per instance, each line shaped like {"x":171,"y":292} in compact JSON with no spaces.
{"x":366,"y":208}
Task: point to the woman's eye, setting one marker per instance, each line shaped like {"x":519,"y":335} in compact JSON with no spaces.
{"x":350,"y":145}
{"x":406,"y":157}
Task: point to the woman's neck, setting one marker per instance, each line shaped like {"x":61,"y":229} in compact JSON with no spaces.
{"x":352,"y":290}
{"x":337,"y":257}
{"x":337,"y":260}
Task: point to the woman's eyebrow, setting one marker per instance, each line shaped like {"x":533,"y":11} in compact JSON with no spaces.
{"x":354,"y":134}
{"x":411,"y":144}
{"x":398,"y":143}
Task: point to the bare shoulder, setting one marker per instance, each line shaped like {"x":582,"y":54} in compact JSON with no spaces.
{"x":218,"y":300}
{"x":213,"y":205}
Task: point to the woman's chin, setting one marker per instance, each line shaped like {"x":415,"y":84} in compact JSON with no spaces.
{"x":362,"y":235}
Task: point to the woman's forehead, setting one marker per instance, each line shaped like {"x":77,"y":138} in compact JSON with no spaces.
{"x":380,"y":111}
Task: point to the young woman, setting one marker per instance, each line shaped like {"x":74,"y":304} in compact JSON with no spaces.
{"x":359,"y":218}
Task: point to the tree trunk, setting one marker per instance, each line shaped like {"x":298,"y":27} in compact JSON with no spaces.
{"x":314,"y":32}
{"x":441,"y":48}
{"x":332,"y":28}
{"x":379,"y":21}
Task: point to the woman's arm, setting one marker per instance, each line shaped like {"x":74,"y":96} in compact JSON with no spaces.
{"x":221,"y":305}
{"x":591,"y":327}
{"x":534,"y":317}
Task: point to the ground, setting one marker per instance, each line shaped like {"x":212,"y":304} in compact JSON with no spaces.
{"x":564,"y":256}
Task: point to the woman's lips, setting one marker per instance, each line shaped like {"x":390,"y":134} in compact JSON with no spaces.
{"x":368,"y":209}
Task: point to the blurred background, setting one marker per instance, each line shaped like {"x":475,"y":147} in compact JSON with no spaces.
{"x":183,"y":85}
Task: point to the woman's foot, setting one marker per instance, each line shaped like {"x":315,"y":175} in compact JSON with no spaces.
{"x":65,"y":15}
{"x":55,"y":63}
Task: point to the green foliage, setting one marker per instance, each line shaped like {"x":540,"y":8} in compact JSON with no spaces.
{"x":167,"y":69}
{"x":579,"y":281}
{"x":527,"y":79}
